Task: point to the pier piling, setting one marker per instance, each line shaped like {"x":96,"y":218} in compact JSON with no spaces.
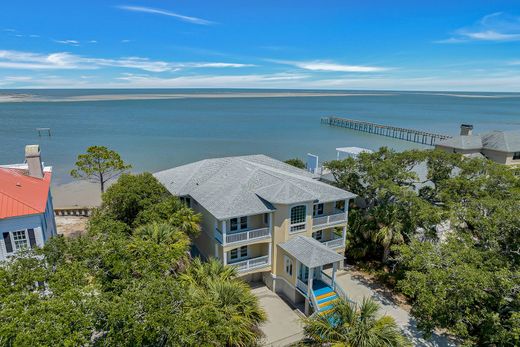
{"x":411,"y":135}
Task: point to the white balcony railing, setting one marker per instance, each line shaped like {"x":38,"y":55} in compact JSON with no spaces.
{"x":332,"y":219}
{"x":242,"y":236}
{"x":302,"y":286}
{"x":336,"y":243}
{"x":251,"y":264}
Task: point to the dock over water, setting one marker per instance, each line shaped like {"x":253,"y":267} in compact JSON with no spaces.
{"x":412,"y":135}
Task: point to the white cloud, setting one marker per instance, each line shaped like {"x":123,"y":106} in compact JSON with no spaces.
{"x":68,"y":42}
{"x":329,"y":66}
{"x":64,"y":60}
{"x":193,"y":20}
{"x":495,"y":27}
{"x":507,"y":82}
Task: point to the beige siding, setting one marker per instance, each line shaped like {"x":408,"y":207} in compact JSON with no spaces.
{"x":205,"y":242}
{"x":499,"y":157}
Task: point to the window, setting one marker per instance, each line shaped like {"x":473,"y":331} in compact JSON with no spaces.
{"x":243,"y":222}
{"x":288,"y":265}
{"x":20,"y":240}
{"x":243,"y":251}
{"x":318,"y":235}
{"x":340,"y":205}
{"x":516,"y":156}
{"x":233,"y":224}
{"x":298,"y":214}
{"x":266,"y":218}
{"x":317,"y":210}
{"x":238,"y":224}
{"x":238,"y":253}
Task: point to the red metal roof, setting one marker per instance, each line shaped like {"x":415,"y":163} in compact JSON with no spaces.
{"x":21,"y":194}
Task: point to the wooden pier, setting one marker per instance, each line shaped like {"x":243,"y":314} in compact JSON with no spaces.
{"x":405,"y":134}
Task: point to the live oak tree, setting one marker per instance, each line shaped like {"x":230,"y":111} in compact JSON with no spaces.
{"x":99,"y":165}
{"x":467,"y":281}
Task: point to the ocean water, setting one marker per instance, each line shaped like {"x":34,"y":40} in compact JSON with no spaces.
{"x":157,"y":134}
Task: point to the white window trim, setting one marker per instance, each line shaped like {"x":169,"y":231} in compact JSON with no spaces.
{"x":304,"y":223}
{"x":239,"y":227}
{"x":239,"y":256}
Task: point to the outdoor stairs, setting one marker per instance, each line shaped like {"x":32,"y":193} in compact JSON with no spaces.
{"x":325,"y":296}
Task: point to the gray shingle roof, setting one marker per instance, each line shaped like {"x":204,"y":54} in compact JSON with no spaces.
{"x":310,"y":252}
{"x":502,"y":141}
{"x":246,"y":185}
{"x":462,"y":142}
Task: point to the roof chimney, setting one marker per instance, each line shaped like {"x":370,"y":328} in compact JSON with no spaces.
{"x":466,"y":129}
{"x":34,"y":161}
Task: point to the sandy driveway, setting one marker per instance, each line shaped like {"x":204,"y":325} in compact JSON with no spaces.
{"x":283,"y":325}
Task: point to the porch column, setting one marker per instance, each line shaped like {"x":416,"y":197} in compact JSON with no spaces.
{"x":271,"y":224}
{"x":309,"y":282}
{"x":334,"y":268}
{"x":224,"y":232}
{"x":224,"y":256}
{"x":344,"y":235}
{"x":269,"y":253}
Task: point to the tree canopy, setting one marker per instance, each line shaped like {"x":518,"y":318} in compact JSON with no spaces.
{"x":99,"y":164}
{"x":348,"y":325}
{"x":448,"y":227}
{"x":296,"y":162}
{"x":126,"y":283}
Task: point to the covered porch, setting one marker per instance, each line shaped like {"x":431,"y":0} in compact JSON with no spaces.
{"x":319,"y":289}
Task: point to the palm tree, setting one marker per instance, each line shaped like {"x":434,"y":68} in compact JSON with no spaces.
{"x":201,"y":273}
{"x":233,"y":303}
{"x":388,"y":228}
{"x":187,"y":221}
{"x":160,"y":233}
{"x":349,"y":326}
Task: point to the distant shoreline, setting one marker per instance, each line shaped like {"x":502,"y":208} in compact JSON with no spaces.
{"x":13,"y":97}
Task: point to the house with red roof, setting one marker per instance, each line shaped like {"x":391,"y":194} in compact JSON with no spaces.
{"x":26,"y":210}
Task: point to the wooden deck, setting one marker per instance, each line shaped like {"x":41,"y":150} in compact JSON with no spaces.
{"x":412,"y":135}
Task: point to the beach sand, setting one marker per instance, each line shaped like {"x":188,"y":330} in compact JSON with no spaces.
{"x":76,"y":194}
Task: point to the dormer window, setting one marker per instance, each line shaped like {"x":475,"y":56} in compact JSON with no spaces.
{"x":298,"y":214}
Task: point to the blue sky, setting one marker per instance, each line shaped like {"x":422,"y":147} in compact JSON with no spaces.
{"x":392,"y":45}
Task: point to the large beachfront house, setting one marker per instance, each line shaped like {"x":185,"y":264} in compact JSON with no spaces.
{"x":26,"y":212}
{"x":274,"y":222}
{"x":499,"y":146}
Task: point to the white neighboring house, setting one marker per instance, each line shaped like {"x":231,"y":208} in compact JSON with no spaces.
{"x":26,"y":211}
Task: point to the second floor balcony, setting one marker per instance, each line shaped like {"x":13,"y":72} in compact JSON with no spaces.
{"x":236,"y":237}
{"x":338,"y":217}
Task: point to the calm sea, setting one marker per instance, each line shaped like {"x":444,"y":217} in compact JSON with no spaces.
{"x":158,"y":134}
